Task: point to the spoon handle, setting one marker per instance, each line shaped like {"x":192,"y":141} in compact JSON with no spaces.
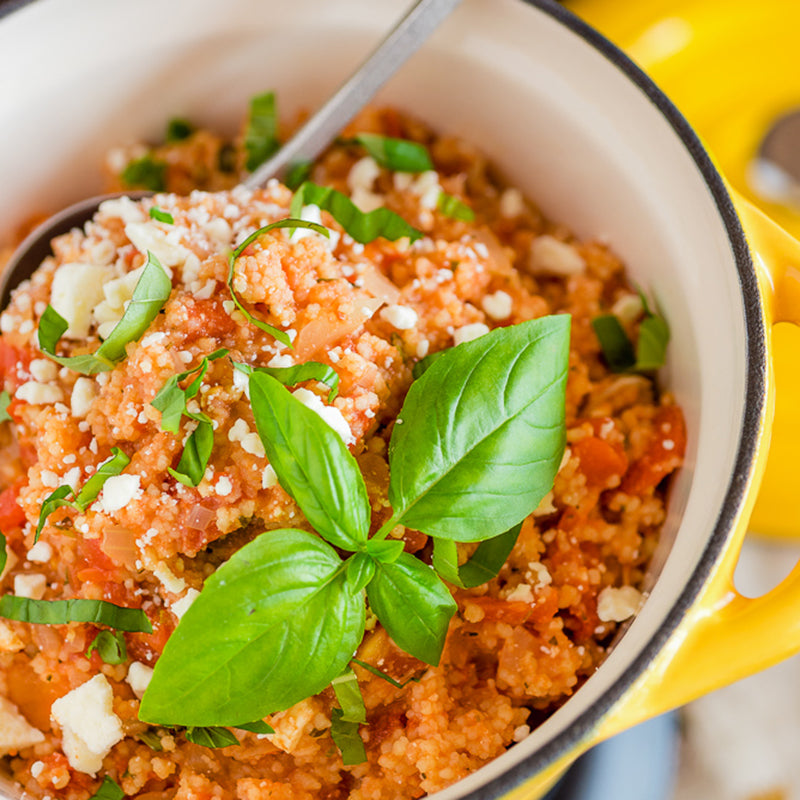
{"x":401,"y":43}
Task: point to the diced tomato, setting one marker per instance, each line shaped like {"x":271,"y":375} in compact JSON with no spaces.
{"x":11,"y":515}
{"x":512,"y":612}
{"x":208,"y":318}
{"x":10,"y":356}
{"x":600,"y":461}
{"x":147,"y":647}
{"x":546,"y":606}
{"x":663,"y":455}
{"x":92,"y":564}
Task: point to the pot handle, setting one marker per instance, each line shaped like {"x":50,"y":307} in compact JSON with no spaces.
{"x":726,"y":636}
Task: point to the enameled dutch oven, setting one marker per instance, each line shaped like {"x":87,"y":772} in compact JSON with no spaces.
{"x":580,"y":128}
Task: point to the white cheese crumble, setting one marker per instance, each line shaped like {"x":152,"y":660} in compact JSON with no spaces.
{"x":77,"y":289}
{"x":617,"y":605}
{"x":118,"y":491}
{"x":170,"y":581}
{"x":43,"y":370}
{"x":329,"y":414}
{"x":138,"y":678}
{"x":269,"y":477}
{"x":360,"y":180}
{"x":512,"y":203}
{"x":31,"y":585}
{"x":89,"y":726}
{"x":181,"y":606}
{"x":401,"y":317}
{"x":466,"y":333}
{"x":628,"y":308}
{"x":39,"y":394}
{"x":164,"y":245}
{"x":498,"y":305}
{"x":15,"y":731}
{"x":548,"y":254}
{"x":521,"y":592}
{"x":41,"y":552}
{"x":281,"y":360}
{"x":250,"y":442}
{"x":83,"y":394}
{"x":223,"y":486}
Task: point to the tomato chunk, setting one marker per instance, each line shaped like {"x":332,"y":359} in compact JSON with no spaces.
{"x":664,"y":453}
{"x":600,"y":461}
{"x":11,"y":515}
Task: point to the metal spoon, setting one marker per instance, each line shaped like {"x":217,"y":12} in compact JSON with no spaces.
{"x":401,"y":43}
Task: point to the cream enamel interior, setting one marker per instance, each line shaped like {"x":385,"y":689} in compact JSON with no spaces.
{"x":562,"y":122}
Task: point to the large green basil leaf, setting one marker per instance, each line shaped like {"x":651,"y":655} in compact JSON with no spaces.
{"x":312,"y":463}
{"x":273,"y":625}
{"x":482,"y":566}
{"x":481,"y":433}
{"x":413,"y":605}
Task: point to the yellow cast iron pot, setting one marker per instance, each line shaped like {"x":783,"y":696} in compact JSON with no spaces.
{"x":573,"y":122}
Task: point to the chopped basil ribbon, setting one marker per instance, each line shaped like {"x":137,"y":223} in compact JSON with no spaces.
{"x":109,"y":790}
{"x":211,"y":736}
{"x":400,"y":155}
{"x":178,"y":129}
{"x":290,"y":222}
{"x":161,"y":216}
{"x":362,"y":227}
{"x":3,"y":553}
{"x":171,"y":401}
{"x":259,"y":726}
{"x":483,"y":565}
{"x":298,"y":174}
{"x":261,"y":133}
{"x":290,"y":376}
{"x":383,"y":676}
{"x":65,"y":496}
{"x":145,"y":173}
{"x":282,"y":618}
{"x":618,"y":350}
{"x":347,"y":739}
{"x":110,"y":647}
{"x":60,"y":612}
{"x":5,"y":401}
{"x":348,"y":693}
{"x":452,"y":207}
{"x":151,"y":739}
{"x":151,"y":292}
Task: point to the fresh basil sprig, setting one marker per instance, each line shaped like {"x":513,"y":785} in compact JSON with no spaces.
{"x":347,"y":739}
{"x":145,"y":173}
{"x":282,"y":618}
{"x":290,"y":222}
{"x":452,"y":207}
{"x":152,"y":291}
{"x":65,"y":496}
{"x":291,"y":376}
{"x":261,"y":133}
{"x":400,"y":155}
{"x":60,"y":612}
{"x":110,"y":647}
{"x":5,"y":401}
{"x":160,"y":215}
{"x":362,"y":227}
{"x":619,"y":352}
{"x":109,"y":790}
{"x":348,"y":693}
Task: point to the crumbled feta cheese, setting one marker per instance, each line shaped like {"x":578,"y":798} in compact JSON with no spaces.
{"x":310,"y":213}
{"x":37,"y":768}
{"x":241,"y":382}
{"x":43,"y":370}
{"x":39,"y":394}
{"x":628,"y":308}
{"x":250,"y":442}
{"x":31,"y":585}
{"x":521,"y":592}
{"x":170,"y":581}
{"x":281,"y":360}
{"x":401,"y":317}
{"x":89,"y":726}
{"x":41,"y":552}
{"x":49,"y":479}
{"x":77,"y":289}
{"x":540,"y":574}
{"x":123,"y":207}
{"x":466,"y":333}
{"x":360,"y":180}
{"x":269,"y":477}
{"x":16,"y":732}
{"x":512,"y":203}
{"x":617,"y":605}
{"x":163,"y":244}
{"x":423,"y":345}
{"x":548,"y":254}
{"x":329,"y":414}
{"x":224,"y":486}
{"x":118,"y":491}
{"x":138,"y":677}
{"x":181,"y":606}
{"x":426,"y":187}
{"x":498,"y":305}
{"x":521,"y":732}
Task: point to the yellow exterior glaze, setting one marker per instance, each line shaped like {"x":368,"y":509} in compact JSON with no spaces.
{"x":732,"y":67}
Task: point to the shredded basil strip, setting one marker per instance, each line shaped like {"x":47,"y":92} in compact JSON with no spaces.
{"x":291,"y":376}
{"x":152,"y":291}
{"x":261,"y":133}
{"x":348,"y":693}
{"x":110,"y":647}
{"x":60,"y":612}
{"x":259,"y":726}
{"x":651,"y":349}
{"x":383,"y":676}
{"x":3,"y":553}
{"x":146,"y":173}
{"x":109,"y":790}
{"x":616,"y":346}
{"x":161,"y":216}
{"x":64,"y":496}
{"x":400,"y":155}
{"x":178,"y":129}
{"x":454,"y":208}
{"x":484,"y":563}
{"x":359,"y":571}
{"x":5,"y":401}
{"x":211,"y":736}
{"x":347,"y":739}
{"x":290,"y":222}
{"x":362,"y":227}
{"x":196,"y":453}
{"x":298,"y":173}
{"x":151,"y":739}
